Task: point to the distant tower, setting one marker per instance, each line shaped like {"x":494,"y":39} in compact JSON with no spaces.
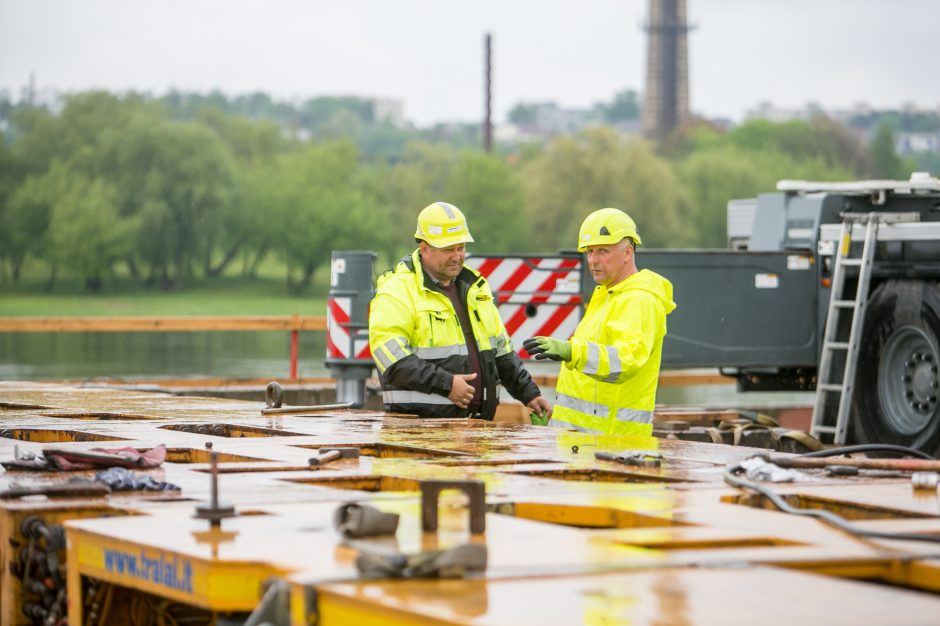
{"x":666,"y":101}
{"x":488,"y":92}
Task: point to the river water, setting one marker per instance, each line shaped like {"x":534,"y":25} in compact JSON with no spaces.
{"x":88,"y":356}
{"x":127,"y":356}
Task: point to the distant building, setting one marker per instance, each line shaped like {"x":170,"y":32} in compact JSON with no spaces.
{"x":629,"y":128}
{"x":905,"y":143}
{"x":45,"y":97}
{"x":766,"y":110}
{"x":544,"y":120}
{"x":389,"y":110}
{"x":918,"y":130}
{"x":554,"y":120}
{"x":514,"y":133}
{"x":548,"y":119}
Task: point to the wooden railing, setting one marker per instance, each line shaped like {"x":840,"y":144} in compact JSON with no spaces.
{"x":293,"y":323}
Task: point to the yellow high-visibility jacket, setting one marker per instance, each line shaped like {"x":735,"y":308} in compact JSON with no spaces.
{"x":609,"y":385}
{"x":417,"y":343}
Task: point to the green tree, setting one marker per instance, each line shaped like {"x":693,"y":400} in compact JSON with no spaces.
{"x":522,"y":114}
{"x":315,"y":204}
{"x":595,"y":169}
{"x":624,"y":107}
{"x":92,"y":121}
{"x":253,"y":144}
{"x":24,"y":222}
{"x":820,"y":138}
{"x":713,"y":176}
{"x":928,"y":162}
{"x":419,"y":178}
{"x":8,"y":183}
{"x":384,"y":142}
{"x":249,"y":141}
{"x":491,"y":196}
{"x":885,"y":160}
{"x":77,"y":140}
{"x":36,"y":135}
{"x":86,"y":233}
{"x":322,"y":112}
{"x":179,"y":177}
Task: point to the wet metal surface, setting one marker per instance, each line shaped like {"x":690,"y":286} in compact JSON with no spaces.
{"x":571,"y":539}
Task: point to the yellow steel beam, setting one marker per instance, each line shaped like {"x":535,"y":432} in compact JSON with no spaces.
{"x":211,"y":584}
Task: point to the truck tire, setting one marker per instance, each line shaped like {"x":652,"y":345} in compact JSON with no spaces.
{"x":896,"y":383}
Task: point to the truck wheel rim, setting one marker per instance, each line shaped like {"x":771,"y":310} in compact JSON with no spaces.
{"x":908,"y":380}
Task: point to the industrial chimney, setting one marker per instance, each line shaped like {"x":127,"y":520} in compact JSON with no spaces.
{"x":666,"y":100}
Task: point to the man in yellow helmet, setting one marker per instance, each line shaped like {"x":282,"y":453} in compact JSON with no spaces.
{"x":607,"y":383}
{"x":435,"y":333}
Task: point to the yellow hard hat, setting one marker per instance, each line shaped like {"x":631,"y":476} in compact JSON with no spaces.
{"x":606,"y":227}
{"x":442,"y":225}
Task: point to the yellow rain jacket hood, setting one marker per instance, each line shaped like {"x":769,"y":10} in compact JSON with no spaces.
{"x":609,"y":385}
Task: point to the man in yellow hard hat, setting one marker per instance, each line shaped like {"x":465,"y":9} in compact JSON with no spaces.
{"x":610,"y":366}
{"x":435,"y":333}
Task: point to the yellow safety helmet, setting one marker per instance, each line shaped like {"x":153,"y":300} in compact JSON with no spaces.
{"x":442,"y":225}
{"x":606,"y":227}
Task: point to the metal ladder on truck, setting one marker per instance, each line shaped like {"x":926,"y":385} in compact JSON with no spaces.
{"x":840,"y":302}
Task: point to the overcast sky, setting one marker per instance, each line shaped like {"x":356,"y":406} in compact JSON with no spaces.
{"x":429,"y":53}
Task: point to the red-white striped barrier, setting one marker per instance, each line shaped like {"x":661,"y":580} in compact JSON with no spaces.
{"x":535,"y":296}
{"x":339,"y":343}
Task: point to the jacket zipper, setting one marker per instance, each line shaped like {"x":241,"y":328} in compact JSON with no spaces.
{"x":476,"y":314}
{"x":597,"y":339}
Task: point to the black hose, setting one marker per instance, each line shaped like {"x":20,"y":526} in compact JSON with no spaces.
{"x":826,"y":516}
{"x":870,"y":447}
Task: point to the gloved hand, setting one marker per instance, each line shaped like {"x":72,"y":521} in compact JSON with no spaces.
{"x":538,"y":420}
{"x":548,"y":348}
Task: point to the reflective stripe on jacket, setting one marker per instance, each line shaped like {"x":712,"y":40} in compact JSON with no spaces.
{"x":417,"y":343}
{"x":609,"y":385}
